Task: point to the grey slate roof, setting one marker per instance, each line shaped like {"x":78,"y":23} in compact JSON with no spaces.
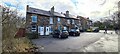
{"x":38,"y":11}
{"x":58,"y":14}
{"x":43,"y":12}
{"x":72,"y":16}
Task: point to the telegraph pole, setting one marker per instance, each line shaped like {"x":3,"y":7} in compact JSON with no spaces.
{"x":118,"y":15}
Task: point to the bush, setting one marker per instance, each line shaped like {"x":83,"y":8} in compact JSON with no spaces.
{"x":33,"y":35}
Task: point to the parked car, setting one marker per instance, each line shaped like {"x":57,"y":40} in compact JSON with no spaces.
{"x":89,"y":30}
{"x":93,"y":29}
{"x":60,"y":34}
{"x":74,"y":32}
{"x":83,"y":30}
{"x":64,"y":34}
{"x":56,"y":33}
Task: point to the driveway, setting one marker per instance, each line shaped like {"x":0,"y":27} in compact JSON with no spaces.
{"x":71,"y":44}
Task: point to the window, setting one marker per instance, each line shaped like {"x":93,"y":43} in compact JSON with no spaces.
{"x":68,"y":21}
{"x":58,"y":27}
{"x":33,"y":28}
{"x":65,"y":28}
{"x":58,"y":20}
{"x":50,"y":29}
{"x":73,"y":22}
{"x":34,"y":18}
{"x":51,"y":20}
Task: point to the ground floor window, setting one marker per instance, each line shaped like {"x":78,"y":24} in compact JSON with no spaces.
{"x":51,"y":29}
{"x":65,"y":28}
{"x":34,"y":28}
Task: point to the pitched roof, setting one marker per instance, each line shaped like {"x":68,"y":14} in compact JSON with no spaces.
{"x":72,"y":16}
{"x":38,"y":11}
{"x":43,"y":12}
{"x":58,"y":14}
{"x":48,"y":13}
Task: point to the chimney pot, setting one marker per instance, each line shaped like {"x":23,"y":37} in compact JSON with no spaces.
{"x":67,"y":14}
{"x":52,"y":10}
{"x":27,"y":7}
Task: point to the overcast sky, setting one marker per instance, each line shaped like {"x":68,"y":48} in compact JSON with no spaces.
{"x":94,"y":9}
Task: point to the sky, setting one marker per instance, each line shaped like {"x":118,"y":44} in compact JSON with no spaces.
{"x":94,"y":9}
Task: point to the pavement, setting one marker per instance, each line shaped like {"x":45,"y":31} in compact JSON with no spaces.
{"x":71,"y":44}
{"x":107,"y":43}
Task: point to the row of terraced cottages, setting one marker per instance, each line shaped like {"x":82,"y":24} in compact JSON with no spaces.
{"x":45,"y":22}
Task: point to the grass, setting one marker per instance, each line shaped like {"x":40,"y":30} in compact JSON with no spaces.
{"x":17,"y":44}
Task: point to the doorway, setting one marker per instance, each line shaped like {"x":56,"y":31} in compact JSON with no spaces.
{"x":43,"y":30}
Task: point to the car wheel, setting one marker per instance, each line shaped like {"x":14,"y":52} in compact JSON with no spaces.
{"x":53,"y":36}
{"x":73,"y":34}
{"x":59,"y":36}
{"x":67,"y":37}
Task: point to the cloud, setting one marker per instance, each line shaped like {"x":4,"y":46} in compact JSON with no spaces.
{"x":60,"y":6}
{"x":89,"y":8}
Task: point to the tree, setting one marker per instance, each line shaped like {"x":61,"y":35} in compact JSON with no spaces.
{"x":10,"y":21}
{"x":99,"y":24}
{"x":108,"y":22}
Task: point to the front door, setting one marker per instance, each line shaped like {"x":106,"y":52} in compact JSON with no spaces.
{"x":47,"y":31}
{"x":41,"y":30}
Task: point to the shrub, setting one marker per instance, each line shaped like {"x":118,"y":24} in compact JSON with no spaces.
{"x":33,"y":35}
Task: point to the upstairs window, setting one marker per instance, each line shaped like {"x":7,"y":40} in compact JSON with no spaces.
{"x":73,"y":22}
{"x":34,"y":28}
{"x":58,"y":20}
{"x":68,"y":21}
{"x":51,"y":20}
{"x":34,"y":19}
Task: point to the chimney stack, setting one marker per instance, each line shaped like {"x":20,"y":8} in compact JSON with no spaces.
{"x":27,"y":7}
{"x":67,"y":14}
{"x":52,"y":10}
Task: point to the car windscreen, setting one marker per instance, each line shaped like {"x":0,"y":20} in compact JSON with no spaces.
{"x":64,"y":30}
{"x":56,"y":31}
{"x":77,"y":29}
{"x":72,"y":30}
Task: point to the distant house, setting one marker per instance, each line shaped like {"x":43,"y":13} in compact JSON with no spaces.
{"x":89,"y":23}
{"x":72,"y":21}
{"x":85,"y":23}
{"x":45,"y":22}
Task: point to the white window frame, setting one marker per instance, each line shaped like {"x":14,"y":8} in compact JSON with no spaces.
{"x":38,"y":29}
{"x":90,"y":23}
{"x":65,"y":28}
{"x":51,"y":20}
{"x":34,"y":29}
{"x":73,"y":21}
{"x":50,"y":29}
{"x":35,"y":17}
{"x":58,"y":20}
{"x":68,"y":21}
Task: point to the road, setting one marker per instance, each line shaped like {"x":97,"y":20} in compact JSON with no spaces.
{"x":71,"y":44}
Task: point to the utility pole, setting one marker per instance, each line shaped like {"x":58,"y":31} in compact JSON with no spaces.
{"x":118,"y":14}
{"x":118,"y":17}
